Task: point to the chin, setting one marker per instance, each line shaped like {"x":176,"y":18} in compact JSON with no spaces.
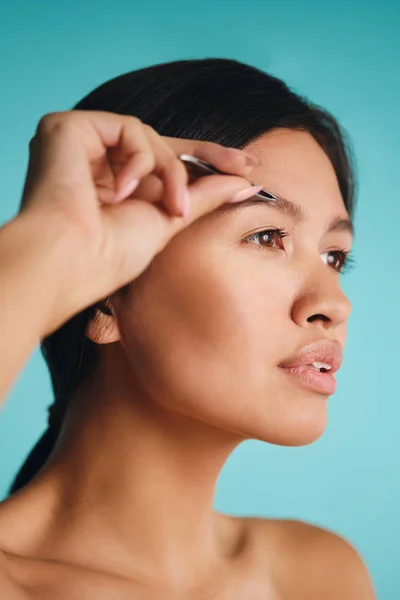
{"x":287,"y":420}
{"x":299,"y":429}
{"x":300,"y":435}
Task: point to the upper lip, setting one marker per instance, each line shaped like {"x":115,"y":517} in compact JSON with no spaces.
{"x":324,"y":351}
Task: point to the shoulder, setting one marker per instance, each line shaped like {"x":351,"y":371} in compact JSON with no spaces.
{"x":314,"y":559}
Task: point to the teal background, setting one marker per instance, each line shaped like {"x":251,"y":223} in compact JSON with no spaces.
{"x":343,"y":55}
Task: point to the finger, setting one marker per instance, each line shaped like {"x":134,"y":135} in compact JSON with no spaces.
{"x":84,"y":140}
{"x":99,"y":133}
{"x":92,"y":133}
{"x":175,"y":194}
{"x":155,"y":157}
{"x":142,"y":230}
{"x":137,"y":156}
{"x":172,"y":172}
{"x":205,"y":195}
{"x":229,"y":160}
{"x":211,"y":192}
{"x":57,"y":160}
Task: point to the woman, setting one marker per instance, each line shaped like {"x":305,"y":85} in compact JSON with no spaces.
{"x":178,"y":318}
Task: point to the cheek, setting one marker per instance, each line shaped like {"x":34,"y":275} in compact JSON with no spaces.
{"x":208,"y":331}
{"x":204,"y":338}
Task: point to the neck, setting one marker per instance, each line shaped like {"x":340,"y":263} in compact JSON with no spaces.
{"x":141,"y":479}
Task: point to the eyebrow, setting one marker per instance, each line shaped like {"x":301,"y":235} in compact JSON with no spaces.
{"x":291,"y":210}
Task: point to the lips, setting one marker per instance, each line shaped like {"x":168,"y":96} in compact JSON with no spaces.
{"x":310,"y":366}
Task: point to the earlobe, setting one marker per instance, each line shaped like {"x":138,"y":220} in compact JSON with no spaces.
{"x":103,"y":329}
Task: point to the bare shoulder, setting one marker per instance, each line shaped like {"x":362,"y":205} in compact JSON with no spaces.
{"x":315,"y":560}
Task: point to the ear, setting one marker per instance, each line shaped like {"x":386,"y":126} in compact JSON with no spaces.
{"x":103,"y":328}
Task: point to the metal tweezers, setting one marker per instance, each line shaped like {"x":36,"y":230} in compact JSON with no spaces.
{"x":207,"y":169}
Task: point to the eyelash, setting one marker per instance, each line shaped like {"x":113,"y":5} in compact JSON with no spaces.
{"x":347,"y":260}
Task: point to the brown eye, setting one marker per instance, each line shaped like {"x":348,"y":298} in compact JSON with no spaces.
{"x":337,"y":259}
{"x":268,"y":238}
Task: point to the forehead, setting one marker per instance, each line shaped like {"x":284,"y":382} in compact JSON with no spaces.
{"x":293,"y":165}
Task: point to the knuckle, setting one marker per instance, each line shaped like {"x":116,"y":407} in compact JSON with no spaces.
{"x":155,"y":138}
{"x":46,"y":123}
{"x":55,"y":121}
{"x":149,"y":130}
{"x":136,"y":130}
{"x":164,"y":151}
{"x":133,"y":123}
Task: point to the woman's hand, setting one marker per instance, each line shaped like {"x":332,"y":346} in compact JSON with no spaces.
{"x":119,"y":192}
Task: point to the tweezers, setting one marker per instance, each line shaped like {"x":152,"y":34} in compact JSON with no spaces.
{"x":206,"y":169}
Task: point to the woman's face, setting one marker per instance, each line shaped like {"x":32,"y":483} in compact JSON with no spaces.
{"x":222,"y":307}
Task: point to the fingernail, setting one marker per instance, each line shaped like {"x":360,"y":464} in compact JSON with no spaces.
{"x":245,"y":194}
{"x":126,"y":190}
{"x":250,"y":159}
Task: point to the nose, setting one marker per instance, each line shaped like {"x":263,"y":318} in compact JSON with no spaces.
{"x":321,"y":302}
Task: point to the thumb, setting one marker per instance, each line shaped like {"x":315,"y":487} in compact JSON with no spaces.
{"x":211,"y":191}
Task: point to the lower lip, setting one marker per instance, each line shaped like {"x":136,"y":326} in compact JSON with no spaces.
{"x":322,"y":383}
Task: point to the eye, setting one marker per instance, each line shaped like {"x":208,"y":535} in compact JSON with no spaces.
{"x":268,"y":238}
{"x":340,"y":260}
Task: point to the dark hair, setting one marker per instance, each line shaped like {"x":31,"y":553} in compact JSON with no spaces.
{"x":219,"y":100}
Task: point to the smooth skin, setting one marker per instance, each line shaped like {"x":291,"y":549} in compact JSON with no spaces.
{"x":188,"y":362}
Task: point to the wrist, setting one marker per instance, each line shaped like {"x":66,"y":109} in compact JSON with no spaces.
{"x":36,"y":253}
